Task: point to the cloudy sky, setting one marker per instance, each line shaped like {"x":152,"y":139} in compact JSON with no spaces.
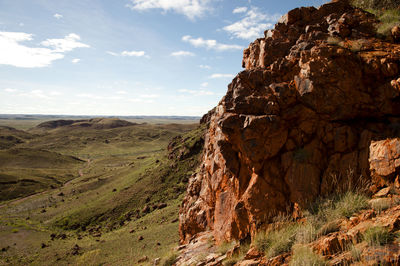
{"x":126,"y":57}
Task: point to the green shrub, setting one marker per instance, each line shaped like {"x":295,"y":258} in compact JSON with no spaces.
{"x":171,"y":259}
{"x":329,"y":227}
{"x":14,"y":230}
{"x":355,"y":252}
{"x":385,"y":10}
{"x":350,"y":203}
{"x":275,"y":242}
{"x":304,"y":256}
{"x":237,"y":257}
{"x":377,"y":236}
{"x":327,"y":210}
{"x":376,"y":4}
{"x":306,"y":233}
{"x":225,"y":247}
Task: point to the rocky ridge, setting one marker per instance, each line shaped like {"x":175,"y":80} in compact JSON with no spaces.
{"x":319,"y":98}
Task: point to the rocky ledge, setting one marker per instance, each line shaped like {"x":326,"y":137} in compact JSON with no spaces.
{"x":317,"y":106}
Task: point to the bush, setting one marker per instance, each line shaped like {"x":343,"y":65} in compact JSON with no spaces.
{"x":171,"y":259}
{"x":355,"y":253}
{"x":385,"y":10}
{"x":328,"y":210}
{"x":376,"y":4}
{"x":304,"y":256}
{"x":306,"y":233}
{"x":237,"y":257}
{"x":225,"y":247}
{"x":377,"y":236}
{"x":350,"y":203}
{"x":275,"y":242}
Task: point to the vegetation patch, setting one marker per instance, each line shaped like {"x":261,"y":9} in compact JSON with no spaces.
{"x":171,"y":259}
{"x":238,"y":256}
{"x":378,"y":236}
{"x":304,"y":256}
{"x":386,"y":11}
{"x":275,"y":242}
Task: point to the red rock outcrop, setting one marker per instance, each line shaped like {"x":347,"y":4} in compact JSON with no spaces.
{"x":319,"y":98}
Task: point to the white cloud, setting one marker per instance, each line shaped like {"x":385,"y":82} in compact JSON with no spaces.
{"x":112,"y":53}
{"x":252,"y":25}
{"x":218,"y":76}
{"x":205,"y":66}
{"x":75,"y":60}
{"x":57,"y":16}
{"x":55,"y":93}
{"x":133,"y":53}
{"x":149,"y":96}
{"x":35,"y":94}
{"x":182,"y":53}
{"x":241,"y":9}
{"x":129,"y":54}
{"x":10,"y":90}
{"x":210,"y":44}
{"x":190,"y":8}
{"x":121,"y":92}
{"x":12,"y":52}
{"x":98,"y":97}
{"x":204,"y":84}
{"x":200,"y":92}
{"x":69,"y":43}
{"x":139,"y":100}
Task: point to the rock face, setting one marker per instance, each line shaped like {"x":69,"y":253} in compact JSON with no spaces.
{"x":317,"y":107}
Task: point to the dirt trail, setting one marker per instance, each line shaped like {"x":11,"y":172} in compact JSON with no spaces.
{"x":80,"y":172}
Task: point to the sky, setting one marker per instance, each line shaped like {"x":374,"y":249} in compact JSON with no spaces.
{"x":126,"y":57}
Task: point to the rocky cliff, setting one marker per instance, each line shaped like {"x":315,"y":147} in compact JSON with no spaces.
{"x":317,"y":106}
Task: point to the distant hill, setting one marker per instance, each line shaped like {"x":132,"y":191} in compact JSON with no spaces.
{"x":34,"y":158}
{"x":9,"y":137}
{"x":95,"y":123}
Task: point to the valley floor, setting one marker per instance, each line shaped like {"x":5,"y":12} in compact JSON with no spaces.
{"x":116,"y":204}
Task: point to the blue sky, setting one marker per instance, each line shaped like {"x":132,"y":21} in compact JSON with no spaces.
{"x":126,"y":57}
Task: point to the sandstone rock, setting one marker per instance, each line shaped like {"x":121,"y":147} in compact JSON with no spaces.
{"x":384,"y":159}
{"x":305,"y":118}
{"x":248,"y":263}
{"x":143,"y":259}
{"x":253,"y":253}
{"x":382,"y":193}
{"x":156,"y":261}
{"x":396,"y":33}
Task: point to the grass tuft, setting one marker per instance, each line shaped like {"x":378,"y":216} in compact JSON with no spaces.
{"x":225,"y":247}
{"x":355,"y":252}
{"x":385,"y":10}
{"x":171,"y":259}
{"x":237,"y":257}
{"x":275,"y":242}
{"x":377,"y":236}
{"x":304,"y":256}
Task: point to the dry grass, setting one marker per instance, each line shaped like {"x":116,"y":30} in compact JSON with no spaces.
{"x":304,"y":256}
{"x":275,"y":242}
{"x":378,"y":236}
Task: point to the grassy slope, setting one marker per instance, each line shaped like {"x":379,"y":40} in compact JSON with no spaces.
{"x":125,"y":173}
{"x":386,"y":11}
